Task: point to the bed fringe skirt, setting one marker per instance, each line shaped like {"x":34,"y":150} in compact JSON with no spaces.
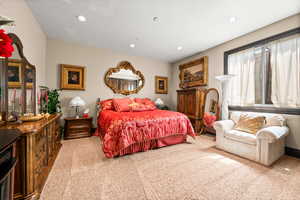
{"x":153,"y":144}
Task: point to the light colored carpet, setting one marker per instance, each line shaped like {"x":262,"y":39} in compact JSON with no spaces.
{"x":191,"y":171}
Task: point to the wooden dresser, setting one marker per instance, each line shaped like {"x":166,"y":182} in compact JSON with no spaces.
{"x":190,"y":102}
{"x":36,"y":152}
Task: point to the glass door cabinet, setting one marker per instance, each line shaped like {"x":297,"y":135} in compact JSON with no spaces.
{"x":18,"y":84}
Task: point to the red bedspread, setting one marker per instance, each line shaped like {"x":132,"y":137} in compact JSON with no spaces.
{"x":120,"y":130}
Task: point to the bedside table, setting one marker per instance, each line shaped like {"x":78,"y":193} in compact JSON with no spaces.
{"x":77,"y":128}
{"x":163,"y":107}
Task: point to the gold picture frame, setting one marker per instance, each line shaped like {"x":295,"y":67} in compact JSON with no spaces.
{"x":14,"y":74}
{"x":194,"y":73}
{"x":72,"y":77}
{"x":161,"y":85}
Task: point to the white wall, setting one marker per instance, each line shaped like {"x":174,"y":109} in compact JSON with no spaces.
{"x":29,"y":31}
{"x":97,"y":61}
{"x":216,"y":66}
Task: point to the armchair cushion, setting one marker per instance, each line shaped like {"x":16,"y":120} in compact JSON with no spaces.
{"x":272,"y":133}
{"x":241,"y":136}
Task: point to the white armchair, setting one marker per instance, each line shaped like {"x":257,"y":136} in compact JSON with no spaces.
{"x":265,"y":147}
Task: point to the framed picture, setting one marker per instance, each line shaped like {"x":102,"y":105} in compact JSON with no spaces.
{"x":14,"y":74}
{"x":72,"y":77}
{"x":161,"y":85}
{"x":213,"y":108}
{"x":194,"y":73}
{"x":29,"y":76}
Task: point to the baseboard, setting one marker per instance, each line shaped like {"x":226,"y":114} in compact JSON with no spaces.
{"x":292,"y":152}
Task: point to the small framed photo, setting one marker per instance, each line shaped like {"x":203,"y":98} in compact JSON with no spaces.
{"x":161,"y":85}
{"x":14,"y":74}
{"x":72,"y":77}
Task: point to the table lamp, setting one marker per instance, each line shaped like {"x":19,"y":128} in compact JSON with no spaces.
{"x":159,"y":102}
{"x":77,"y":102}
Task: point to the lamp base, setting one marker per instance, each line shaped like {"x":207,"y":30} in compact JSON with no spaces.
{"x":77,"y":112}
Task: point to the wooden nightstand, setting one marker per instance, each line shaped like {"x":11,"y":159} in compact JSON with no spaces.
{"x":77,"y":128}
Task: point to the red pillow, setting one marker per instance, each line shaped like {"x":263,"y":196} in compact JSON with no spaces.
{"x":107,"y":104}
{"x":137,"y":107}
{"x":122,"y":105}
{"x":146,"y":101}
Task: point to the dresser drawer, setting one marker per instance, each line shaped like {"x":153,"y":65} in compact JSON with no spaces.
{"x":79,"y":126}
{"x":79,"y":134}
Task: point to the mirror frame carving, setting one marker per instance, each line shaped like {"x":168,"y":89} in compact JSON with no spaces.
{"x":128,"y":66}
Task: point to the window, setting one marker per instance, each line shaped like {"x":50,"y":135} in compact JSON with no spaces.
{"x":267,"y":72}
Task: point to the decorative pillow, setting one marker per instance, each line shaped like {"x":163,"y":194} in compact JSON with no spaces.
{"x":122,"y":105}
{"x":137,"y":107}
{"x":209,"y":119}
{"x":107,"y":104}
{"x":145,"y":101}
{"x":250,"y":124}
{"x":234,"y":116}
{"x":276,"y":120}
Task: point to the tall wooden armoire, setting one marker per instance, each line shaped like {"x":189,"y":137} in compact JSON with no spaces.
{"x":190,"y":102}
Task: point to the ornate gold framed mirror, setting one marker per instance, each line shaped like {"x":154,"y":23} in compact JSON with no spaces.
{"x":124,"y":79}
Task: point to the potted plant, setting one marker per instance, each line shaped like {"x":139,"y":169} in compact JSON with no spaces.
{"x":49,"y":100}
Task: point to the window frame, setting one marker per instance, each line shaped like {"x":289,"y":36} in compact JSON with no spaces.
{"x":262,"y":108}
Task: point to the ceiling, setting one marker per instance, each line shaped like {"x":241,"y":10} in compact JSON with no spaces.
{"x":195,"y":25}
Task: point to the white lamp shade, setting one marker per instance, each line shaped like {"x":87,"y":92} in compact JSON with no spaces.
{"x":77,"y":101}
{"x":159,"y":102}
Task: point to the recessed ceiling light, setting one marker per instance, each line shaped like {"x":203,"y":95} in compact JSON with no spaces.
{"x":132,"y":45}
{"x":155,"y":19}
{"x":232,"y":19}
{"x":179,"y":48}
{"x":81,"y":18}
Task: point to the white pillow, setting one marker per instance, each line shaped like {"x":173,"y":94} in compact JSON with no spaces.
{"x":275,"y":120}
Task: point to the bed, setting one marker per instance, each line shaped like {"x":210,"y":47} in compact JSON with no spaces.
{"x":124,"y":133}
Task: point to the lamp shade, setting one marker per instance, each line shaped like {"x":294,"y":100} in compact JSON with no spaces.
{"x":77,"y":101}
{"x":159,"y":102}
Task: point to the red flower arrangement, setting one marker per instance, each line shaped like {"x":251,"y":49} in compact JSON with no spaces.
{"x":6,"y":47}
{"x":209,"y":119}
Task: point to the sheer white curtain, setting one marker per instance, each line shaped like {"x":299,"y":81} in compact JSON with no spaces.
{"x":242,"y":86}
{"x":285,"y":65}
